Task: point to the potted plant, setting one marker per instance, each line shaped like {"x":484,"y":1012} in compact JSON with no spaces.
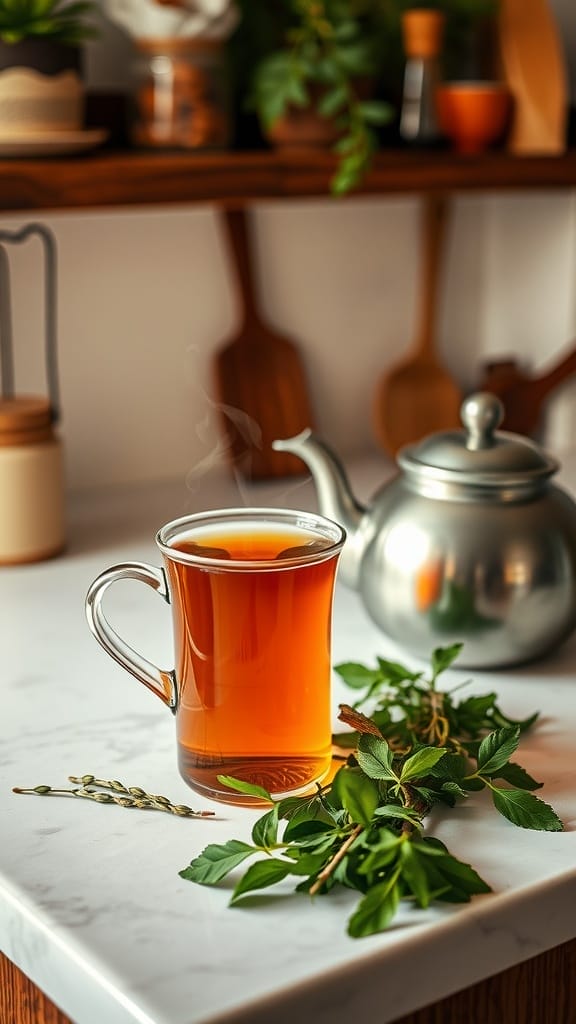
{"x":314,"y":88}
{"x":41,"y":88}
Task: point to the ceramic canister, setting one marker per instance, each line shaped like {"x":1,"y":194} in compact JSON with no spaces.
{"x":32,"y":519}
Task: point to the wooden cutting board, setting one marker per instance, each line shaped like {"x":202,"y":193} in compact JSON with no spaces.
{"x":533,"y":65}
{"x":417,"y":396}
{"x":260,"y":378}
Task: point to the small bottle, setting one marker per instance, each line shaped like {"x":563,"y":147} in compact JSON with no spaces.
{"x":422,"y":34}
{"x":32,"y":517}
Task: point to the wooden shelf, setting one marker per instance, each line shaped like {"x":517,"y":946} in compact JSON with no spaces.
{"x":108,"y":178}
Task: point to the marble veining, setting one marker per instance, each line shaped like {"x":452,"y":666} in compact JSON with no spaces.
{"x":91,"y":904}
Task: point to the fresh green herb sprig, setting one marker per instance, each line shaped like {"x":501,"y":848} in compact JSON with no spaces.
{"x":408,"y":707}
{"x":365,"y":830}
{"x":121,"y":795}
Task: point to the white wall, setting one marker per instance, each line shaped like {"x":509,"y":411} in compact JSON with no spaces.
{"x":145,"y":298}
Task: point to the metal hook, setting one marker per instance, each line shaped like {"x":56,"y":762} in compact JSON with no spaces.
{"x":6,"y":346}
{"x":50,"y":287}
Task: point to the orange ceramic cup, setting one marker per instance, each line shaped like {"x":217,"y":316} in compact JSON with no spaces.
{"x":473,"y":115}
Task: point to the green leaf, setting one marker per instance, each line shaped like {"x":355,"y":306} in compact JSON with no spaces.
{"x":310,"y":810}
{"x":357,"y":793}
{"x":215,"y":862}
{"x":454,"y":789}
{"x":376,"y":910}
{"x":307,"y":863}
{"x":523,"y":724}
{"x":265,"y":831}
{"x":414,"y":873}
{"x":245,"y":787}
{"x":358,"y":677}
{"x":526,"y":810}
{"x":516,"y":776}
{"x":472,"y":713}
{"x":305,"y":829}
{"x":420,"y":763}
{"x":398,"y":812}
{"x":376,"y":112}
{"x":452,"y":880}
{"x":375,"y":758}
{"x":496,"y":749}
{"x":443,"y":657}
{"x":394,"y":673}
{"x":473,"y":785}
{"x":451,"y":766}
{"x":332,"y":101}
{"x":261,"y":875}
{"x":383,"y":849}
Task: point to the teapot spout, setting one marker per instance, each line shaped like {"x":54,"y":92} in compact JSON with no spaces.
{"x":335,"y":498}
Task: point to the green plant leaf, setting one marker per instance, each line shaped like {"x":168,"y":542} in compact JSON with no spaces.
{"x":265,"y":831}
{"x":526,"y":810}
{"x":332,"y":101}
{"x":451,"y":879}
{"x":443,"y":657}
{"x":216,"y":861}
{"x":375,"y":758}
{"x":394,"y":673}
{"x":517,"y":776}
{"x":398,"y":812}
{"x":357,"y":793}
{"x":261,"y":875}
{"x":414,"y":873}
{"x":376,"y":112}
{"x":245,"y":787}
{"x":496,"y":749}
{"x":500,"y":719}
{"x":376,"y":910}
{"x":358,"y":677}
{"x":454,"y":789}
{"x":421,"y":763}
{"x":382,"y":850}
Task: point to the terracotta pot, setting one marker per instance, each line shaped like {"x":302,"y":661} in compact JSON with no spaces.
{"x":304,"y":127}
{"x":474,"y":115}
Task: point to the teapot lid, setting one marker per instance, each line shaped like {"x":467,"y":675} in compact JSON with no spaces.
{"x":480,"y":455}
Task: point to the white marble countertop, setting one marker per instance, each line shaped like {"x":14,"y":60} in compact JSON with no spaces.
{"x":91,"y":904}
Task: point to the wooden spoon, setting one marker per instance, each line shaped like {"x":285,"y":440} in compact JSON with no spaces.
{"x":260,"y":380}
{"x":522,"y":395}
{"x":418,"y":396}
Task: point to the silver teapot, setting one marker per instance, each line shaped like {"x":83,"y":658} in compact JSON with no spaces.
{"x":470,"y":541}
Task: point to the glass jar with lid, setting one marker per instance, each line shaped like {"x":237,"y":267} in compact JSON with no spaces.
{"x":179,"y":95}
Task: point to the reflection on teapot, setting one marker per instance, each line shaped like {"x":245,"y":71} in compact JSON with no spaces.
{"x":471,"y":541}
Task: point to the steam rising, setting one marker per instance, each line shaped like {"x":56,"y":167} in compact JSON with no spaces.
{"x":218,"y":455}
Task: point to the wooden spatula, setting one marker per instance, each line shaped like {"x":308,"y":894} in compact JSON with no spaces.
{"x":524,"y":396}
{"x":260,"y":380}
{"x":418,"y":396}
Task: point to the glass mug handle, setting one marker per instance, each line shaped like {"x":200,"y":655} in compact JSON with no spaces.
{"x":160,"y":681}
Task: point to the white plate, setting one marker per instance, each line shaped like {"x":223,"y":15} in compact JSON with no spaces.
{"x":48,"y":143}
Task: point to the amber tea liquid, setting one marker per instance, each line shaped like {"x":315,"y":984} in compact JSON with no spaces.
{"x":252,"y":607}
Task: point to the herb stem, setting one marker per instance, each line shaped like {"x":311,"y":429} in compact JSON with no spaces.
{"x":126,"y":797}
{"x":334,"y":862}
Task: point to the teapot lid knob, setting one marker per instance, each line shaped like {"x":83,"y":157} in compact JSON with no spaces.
{"x":482,"y":414}
{"x":480,"y":455}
